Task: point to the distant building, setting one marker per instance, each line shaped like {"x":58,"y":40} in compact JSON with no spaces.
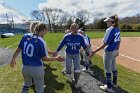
{"x":12,"y":20}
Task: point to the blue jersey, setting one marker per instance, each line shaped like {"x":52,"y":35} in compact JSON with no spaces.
{"x":33,"y":49}
{"x":112,"y":39}
{"x":73,"y":43}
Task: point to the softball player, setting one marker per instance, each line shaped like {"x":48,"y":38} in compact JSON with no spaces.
{"x":111,"y":44}
{"x":73,"y":42}
{"x":33,"y":32}
{"x":34,"y":51}
{"x":84,"y":58}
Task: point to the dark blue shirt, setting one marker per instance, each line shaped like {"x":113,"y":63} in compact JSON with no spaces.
{"x":73,"y":43}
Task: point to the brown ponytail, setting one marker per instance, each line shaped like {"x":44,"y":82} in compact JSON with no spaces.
{"x":38,"y":28}
{"x":115,"y":22}
{"x":32,"y":27}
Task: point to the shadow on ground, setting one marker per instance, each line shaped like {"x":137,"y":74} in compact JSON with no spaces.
{"x":99,"y":75}
{"x":50,"y":80}
{"x":52,"y":84}
{"x":74,"y":89}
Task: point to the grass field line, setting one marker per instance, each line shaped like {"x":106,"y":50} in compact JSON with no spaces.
{"x":12,"y":45}
{"x":126,"y":56}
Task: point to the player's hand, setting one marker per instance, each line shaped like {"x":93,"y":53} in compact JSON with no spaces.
{"x":61,"y":59}
{"x":88,"y":46}
{"x":81,"y":50}
{"x":117,"y":54}
{"x":55,"y":54}
{"x":91,"y":54}
{"x":13,"y":63}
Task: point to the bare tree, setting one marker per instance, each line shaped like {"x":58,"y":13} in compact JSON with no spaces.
{"x":64,"y":20}
{"x":83,"y":15}
{"x":53,"y":15}
{"x":47,"y":17}
{"x":38,"y":15}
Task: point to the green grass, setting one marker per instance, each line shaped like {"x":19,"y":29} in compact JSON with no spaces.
{"x":53,"y":40}
{"x":11,"y":79}
{"x":128,"y":80}
{"x":94,"y":35}
{"x":130,"y":34}
{"x":5,"y":42}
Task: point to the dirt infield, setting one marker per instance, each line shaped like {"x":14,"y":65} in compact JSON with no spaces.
{"x":129,"y":55}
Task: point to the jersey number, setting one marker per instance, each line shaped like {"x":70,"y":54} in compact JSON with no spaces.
{"x":117,"y":37}
{"x":28,"y":49}
{"x":73,"y":47}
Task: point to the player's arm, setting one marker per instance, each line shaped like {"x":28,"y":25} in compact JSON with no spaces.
{"x":98,"y":49}
{"x":44,"y":54}
{"x":106,"y":40}
{"x":59,"y":58}
{"x":50,"y":52}
{"x":16,"y":53}
{"x":101,"y":47}
{"x":62,"y":43}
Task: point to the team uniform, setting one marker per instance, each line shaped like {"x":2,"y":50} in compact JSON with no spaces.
{"x":112,"y":39}
{"x":33,"y":49}
{"x":73,"y":44}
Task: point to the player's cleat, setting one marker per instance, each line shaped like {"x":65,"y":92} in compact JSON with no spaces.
{"x":90,"y":64}
{"x":86,"y":64}
{"x":76,"y":75}
{"x":87,"y":70}
{"x":82,"y":62}
{"x":64,"y":72}
{"x":105,"y":88}
{"x":73,"y":81}
{"x":87,"y":67}
{"x":84,"y":69}
{"x":74,"y":84}
{"x":69,"y":77}
{"x":44,"y":86}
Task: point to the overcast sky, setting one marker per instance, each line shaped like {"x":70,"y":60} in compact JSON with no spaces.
{"x":97,"y":8}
